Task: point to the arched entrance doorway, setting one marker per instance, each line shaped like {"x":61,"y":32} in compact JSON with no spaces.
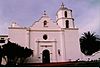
{"x":46,"y":56}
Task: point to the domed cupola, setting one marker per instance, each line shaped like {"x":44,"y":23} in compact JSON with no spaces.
{"x":64,"y":17}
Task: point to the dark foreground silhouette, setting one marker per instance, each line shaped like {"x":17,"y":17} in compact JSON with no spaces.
{"x":60,"y":64}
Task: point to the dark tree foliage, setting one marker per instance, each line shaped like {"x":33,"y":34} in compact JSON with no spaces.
{"x":15,"y":54}
{"x":1,"y":54}
{"x":89,"y":43}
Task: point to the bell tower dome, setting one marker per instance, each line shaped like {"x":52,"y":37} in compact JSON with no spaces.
{"x":64,"y":17}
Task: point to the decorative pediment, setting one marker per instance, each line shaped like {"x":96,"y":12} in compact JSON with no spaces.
{"x":44,"y":23}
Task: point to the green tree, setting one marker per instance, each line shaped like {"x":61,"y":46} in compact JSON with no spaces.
{"x":89,"y":43}
{"x":15,"y":53}
{"x":1,"y":54}
{"x":25,"y":52}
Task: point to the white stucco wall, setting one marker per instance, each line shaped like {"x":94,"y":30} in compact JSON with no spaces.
{"x":53,"y":31}
{"x":54,"y":41}
{"x":18,"y":35}
{"x":72,"y":44}
{"x":66,"y":40}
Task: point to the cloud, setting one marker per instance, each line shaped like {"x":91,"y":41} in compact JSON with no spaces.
{"x":85,"y":12}
{"x":90,"y":20}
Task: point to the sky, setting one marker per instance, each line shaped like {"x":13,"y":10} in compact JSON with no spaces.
{"x":86,"y":13}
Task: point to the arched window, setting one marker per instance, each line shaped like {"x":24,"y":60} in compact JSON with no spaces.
{"x":65,"y":13}
{"x":45,"y":23}
{"x":67,"y":24}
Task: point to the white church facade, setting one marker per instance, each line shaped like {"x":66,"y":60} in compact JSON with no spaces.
{"x":50,"y":41}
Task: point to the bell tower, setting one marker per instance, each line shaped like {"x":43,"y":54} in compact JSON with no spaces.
{"x":64,"y":17}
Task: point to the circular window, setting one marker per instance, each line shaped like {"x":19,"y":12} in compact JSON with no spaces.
{"x":45,"y":37}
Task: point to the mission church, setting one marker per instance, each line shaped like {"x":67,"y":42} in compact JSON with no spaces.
{"x":50,"y":41}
